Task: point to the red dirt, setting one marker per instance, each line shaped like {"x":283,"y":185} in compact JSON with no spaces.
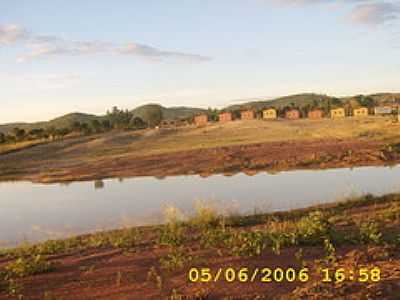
{"x":273,"y":156}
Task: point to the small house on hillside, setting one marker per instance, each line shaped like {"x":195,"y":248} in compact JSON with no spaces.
{"x":292,"y":114}
{"x":360,"y":112}
{"x":225,"y":117}
{"x":383,"y":110}
{"x":247,"y":115}
{"x":315,"y":114}
{"x":201,"y":120}
{"x":338,"y":113}
{"x":270,"y":114}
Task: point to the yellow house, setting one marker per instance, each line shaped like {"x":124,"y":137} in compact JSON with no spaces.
{"x":338,"y":113}
{"x":360,"y":112}
{"x":269,"y":114}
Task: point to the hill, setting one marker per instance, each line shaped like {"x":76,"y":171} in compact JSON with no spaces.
{"x":181,"y":112}
{"x":298,"y":100}
{"x":60,"y":122}
{"x":168,"y":113}
{"x":301,"y":100}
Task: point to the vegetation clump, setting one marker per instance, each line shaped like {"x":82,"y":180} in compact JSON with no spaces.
{"x":370,"y":233}
{"x":26,"y":266}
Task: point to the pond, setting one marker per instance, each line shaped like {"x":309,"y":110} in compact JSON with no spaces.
{"x":34,"y":212}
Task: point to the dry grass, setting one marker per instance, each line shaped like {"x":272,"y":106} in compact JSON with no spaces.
{"x":6,"y":148}
{"x":257,"y":131}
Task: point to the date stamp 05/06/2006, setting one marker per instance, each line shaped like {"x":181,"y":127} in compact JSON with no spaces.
{"x":269,"y":275}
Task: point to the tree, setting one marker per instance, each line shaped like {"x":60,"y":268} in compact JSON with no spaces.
{"x":19,"y":133}
{"x":2,"y":138}
{"x":366,"y":101}
{"x":137,"y":123}
{"x":151,"y":114}
{"x":213,"y":114}
{"x":76,"y":126}
{"x":106,"y":124}
{"x":52,"y":132}
{"x":36,"y":133}
{"x":119,"y":118}
{"x":85,"y":129}
{"x":96,"y":125}
{"x":62,"y":132}
{"x":10,"y":138}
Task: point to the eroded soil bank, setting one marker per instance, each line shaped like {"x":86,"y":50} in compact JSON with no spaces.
{"x":45,"y":164}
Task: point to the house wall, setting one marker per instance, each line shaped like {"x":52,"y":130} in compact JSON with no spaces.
{"x":292,"y":114}
{"x":201,"y":120}
{"x":315,"y":114}
{"x":270,"y":114}
{"x":338,"y":113}
{"x":383,"y":110}
{"x":360,"y":112}
{"x":225,"y":117}
{"x":247,"y":115}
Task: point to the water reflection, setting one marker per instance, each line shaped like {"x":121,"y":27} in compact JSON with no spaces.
{"x":37,"y":211}
{"x":98,"y":184}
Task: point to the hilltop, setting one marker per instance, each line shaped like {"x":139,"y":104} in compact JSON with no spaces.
{"x":302,"y":100}
{"x":60,"y":122}
{"x":69,"y":119}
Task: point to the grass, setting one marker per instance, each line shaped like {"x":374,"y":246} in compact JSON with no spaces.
{"x":6,"y":148}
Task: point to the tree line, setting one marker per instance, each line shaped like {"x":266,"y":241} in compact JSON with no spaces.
{"x":115,"y":119}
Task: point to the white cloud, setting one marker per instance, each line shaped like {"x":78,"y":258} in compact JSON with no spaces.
{"x":53,"y":46}
{"x":374,"y":13}
{"x":156,"y":54}
{"x":41,"y":46}
{"x":12,"y":33}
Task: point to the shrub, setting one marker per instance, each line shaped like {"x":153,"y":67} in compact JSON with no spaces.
{"x":175,"y":260}
{"x":313,"y":229}
{"x":215,"y":237}
{"x":206,"y":214}
{"x":370,"y":233}
{"x":127,"y":239}
{"x":247,"y":243}
{"x":25,"y":266}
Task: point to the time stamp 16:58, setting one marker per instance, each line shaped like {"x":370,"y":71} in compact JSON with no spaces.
{"x":269,"y":275}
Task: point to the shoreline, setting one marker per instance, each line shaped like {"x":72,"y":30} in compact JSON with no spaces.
{"x":250,"y":159}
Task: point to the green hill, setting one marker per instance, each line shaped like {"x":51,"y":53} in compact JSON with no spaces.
{"x":168,"y":113}
{"x":60,"y":122}
{"x":301,"y":100}
{"x":298,"y":100}
{"x":181,"y":112}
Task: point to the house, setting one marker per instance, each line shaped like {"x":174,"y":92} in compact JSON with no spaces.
{"x":360,"y":112}
{"x":383,"y":110}
{"x":292,"y":114}
{"x":201,"y":120}
{"x":270,"y":114}
{"x":338,"y":113}
{"x":247,"y":115}
{"x":315,"y":114}
{"x":225,"y":117}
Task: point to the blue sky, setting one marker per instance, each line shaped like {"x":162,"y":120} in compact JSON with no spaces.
{"x":64,"y":56}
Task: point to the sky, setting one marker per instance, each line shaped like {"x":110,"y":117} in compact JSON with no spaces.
{"x":59,"y":56}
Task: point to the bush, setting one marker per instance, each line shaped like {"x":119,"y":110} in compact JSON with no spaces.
{"x":26,"y":266}
{"x":313,"y":229}
{"x":370,"y":233}
{"x":248,"y":243}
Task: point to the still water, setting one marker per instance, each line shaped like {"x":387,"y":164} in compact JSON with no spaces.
{"x":33,"y":212}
